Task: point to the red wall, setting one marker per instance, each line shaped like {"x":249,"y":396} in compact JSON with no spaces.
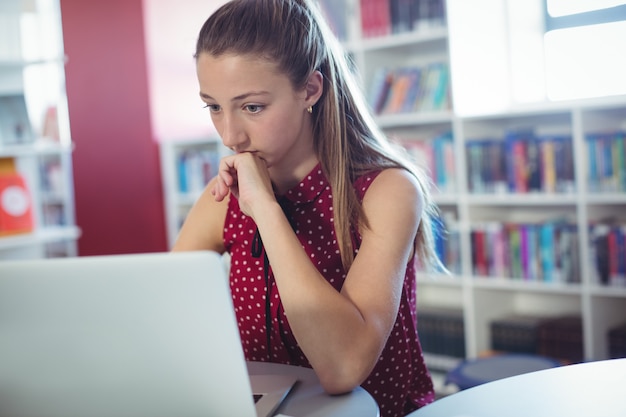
{"x":119,"y":200}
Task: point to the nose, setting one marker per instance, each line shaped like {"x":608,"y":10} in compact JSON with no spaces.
{"x":232,"y":134}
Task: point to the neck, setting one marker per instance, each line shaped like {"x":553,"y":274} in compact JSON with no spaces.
{"x":285,"y":178}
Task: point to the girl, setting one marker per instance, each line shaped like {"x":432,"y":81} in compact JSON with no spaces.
{"x":323,"y":219}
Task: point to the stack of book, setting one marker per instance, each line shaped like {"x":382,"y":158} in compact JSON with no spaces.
{"x":441,"y":331}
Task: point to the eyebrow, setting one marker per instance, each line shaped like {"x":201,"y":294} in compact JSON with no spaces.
{"x":239,"y":97}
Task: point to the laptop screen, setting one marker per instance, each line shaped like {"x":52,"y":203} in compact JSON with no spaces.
{"x":125,"y":335}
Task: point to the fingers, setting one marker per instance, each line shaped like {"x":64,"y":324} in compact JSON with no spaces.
{"x":225,"y":181}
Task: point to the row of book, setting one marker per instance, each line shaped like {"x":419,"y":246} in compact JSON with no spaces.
{"x":436,"y":156}
{"x":544,"y":252}
{"x":441,"y":331}
{"x":607,"y":166}
{"x":558,"y":337}
{"x":410,"y":89}
{"x":608,"y":253}
{"x":521,"y":163}
{"x":195,"y":168}
{"x":385,"y":17}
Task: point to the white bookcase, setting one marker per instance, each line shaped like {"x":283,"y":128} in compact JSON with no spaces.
{"x":40,"y":148}
{"x":485,"y":298}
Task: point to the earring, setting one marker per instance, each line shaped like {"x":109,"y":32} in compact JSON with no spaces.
{"x":310,"y":109}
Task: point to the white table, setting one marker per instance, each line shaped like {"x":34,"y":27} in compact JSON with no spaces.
{"x":308,"y":399}
{"x":593,"y":389}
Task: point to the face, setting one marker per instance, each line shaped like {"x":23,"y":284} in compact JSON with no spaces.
{"x":255,"y":108}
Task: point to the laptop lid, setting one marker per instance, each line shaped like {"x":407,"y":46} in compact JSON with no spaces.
{"x":144,"y":335}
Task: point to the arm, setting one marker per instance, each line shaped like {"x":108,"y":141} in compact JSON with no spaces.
{"x":343,"y":334}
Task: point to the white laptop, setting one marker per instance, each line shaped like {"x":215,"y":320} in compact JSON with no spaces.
{"x":145,"y":335}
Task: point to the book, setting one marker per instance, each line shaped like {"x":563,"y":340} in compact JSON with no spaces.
{"x":16,"y":210}
{"x":195,"y":169}
{"x":441,"y":331}
{"x":401,"y":84}
{"x":444,"y":166}
{"x":516,"y":333}
{"x":547,"y":164}
{"x":515,"y":258}
{"x":400,"y":13}
{"x":617,"y":341}
{"x":414,"y":90}
{"x":561,"y":338}
{"x":336,"y":14}
{"x":474,"y":154}
{"x":546,"y":251}
{"x":480,"y":255}
{"x":379,"y":89}
{"x":517,"y":143}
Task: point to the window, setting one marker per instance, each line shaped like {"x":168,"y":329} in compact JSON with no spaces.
{"x":584,"y":43}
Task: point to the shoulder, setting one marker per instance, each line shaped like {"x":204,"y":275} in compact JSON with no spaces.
{"x":396,"y":184}
{"x":394,"y":196}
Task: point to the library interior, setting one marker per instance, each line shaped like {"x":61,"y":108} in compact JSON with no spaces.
{"x":515,"y":108}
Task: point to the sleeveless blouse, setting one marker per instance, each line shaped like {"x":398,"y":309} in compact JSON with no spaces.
{"x":400,"y":381}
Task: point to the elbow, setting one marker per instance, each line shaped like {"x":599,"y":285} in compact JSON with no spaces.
{"x":342,"y":378}
{"x":338,"y":386}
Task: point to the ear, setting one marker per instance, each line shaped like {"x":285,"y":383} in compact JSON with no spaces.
{"x":314,"y":88}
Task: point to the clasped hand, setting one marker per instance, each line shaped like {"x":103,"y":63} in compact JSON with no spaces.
{"x":246,"y":176}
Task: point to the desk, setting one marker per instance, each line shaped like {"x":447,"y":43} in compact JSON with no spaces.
{"x":309,"y":399}
{"x":593,"y":389}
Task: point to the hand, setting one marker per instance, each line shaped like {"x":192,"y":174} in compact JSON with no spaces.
{"x":247,"y":177}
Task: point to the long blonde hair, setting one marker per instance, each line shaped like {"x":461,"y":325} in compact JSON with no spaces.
{"x":348,"y":143}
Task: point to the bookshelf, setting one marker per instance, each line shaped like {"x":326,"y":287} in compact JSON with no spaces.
{"x":35,"y":145}
{"x":186,"y":167}
{"x":584,"y":190}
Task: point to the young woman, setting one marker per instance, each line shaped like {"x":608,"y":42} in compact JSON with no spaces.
{"x":323,"y":219}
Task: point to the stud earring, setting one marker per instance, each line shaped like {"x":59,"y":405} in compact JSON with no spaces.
{"x":310,"y":109}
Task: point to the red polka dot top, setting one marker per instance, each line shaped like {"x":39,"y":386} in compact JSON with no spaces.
{"x":400,"y":382}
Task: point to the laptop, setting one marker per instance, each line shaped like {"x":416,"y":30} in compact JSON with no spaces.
{"x":142,"y":335}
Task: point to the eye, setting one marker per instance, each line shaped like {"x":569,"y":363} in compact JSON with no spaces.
{"x":213,"y":108}
{"x":254,"y":108}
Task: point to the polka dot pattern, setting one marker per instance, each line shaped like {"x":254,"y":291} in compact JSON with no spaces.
{"x":400,"y":382}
